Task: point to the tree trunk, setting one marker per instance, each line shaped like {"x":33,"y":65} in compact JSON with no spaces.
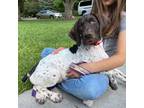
{"x":19,"y":14}
{"x":68,"y":5}
{"x":20,"y":8}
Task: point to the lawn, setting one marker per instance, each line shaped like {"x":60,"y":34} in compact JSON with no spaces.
{"x":36,"y":35}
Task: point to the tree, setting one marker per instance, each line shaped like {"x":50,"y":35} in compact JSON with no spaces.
{"x":68,"y":5}
{"x":20,"y":8}
{"x":58,"y":5}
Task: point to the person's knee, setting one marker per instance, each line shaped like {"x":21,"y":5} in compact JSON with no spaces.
{"x":88,"y":87}
{"x":96,"y":89}
{"x":46,"y":51}
{"x":91,"y":94}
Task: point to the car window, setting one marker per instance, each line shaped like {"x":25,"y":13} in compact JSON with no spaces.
{"x":53,"y":11}
{"x":49,"y":11}
{"x":86,"y":3}
{"x":44,"y":11}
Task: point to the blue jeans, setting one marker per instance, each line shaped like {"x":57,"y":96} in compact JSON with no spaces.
{"x":87,"y":87}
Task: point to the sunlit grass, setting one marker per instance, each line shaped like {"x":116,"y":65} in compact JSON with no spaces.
{"x":36,"y":35}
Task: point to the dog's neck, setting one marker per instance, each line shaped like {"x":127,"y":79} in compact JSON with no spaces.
{"x":74,"y":48}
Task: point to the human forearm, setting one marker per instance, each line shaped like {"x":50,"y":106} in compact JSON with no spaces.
{"x":105,"y":64}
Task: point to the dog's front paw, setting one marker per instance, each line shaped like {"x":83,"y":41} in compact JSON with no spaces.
{"x":41,"y":99}
{"x":56,"y":97}
{"x":113,"y":82}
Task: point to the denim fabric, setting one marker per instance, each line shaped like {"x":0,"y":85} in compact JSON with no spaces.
{"x":87,"y":87}
{"x":46,"y":51}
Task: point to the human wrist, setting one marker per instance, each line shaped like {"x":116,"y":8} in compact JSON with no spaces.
{"x":88,"y":67}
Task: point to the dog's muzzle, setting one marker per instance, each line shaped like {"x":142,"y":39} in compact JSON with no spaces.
{"x":92,"y":42}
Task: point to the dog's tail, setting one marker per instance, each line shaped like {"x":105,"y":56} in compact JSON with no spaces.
{"x":27,"y":75}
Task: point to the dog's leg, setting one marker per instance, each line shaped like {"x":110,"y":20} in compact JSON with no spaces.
{"x":54,"y":97}
{"x":41,"y":99}
{"x":88,"y":103}
{"x":113,"y":82}
{"x":120,"y":75}
{"x":113,"y":74}
{"x":43,"y":93}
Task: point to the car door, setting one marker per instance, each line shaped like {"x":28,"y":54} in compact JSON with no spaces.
{"x":43,"y":13}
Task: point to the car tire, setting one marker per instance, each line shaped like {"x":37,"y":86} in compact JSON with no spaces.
{"x":51,"y":17}
{"x":83,"y":12}
{"x":38,"y":17}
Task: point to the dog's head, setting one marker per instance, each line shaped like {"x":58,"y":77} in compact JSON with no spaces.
{"x":86,"y":30}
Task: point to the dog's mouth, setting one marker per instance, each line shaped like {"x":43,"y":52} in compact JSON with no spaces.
{"x":92,"y":42}
{"x":91,"y":38}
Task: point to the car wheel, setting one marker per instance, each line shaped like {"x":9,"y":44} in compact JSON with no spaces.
{"x":38,"y":17}
{"x":83,"y":12}
{"x":51,"y":17}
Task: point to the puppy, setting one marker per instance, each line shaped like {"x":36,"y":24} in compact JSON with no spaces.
{"x":52,"y":69}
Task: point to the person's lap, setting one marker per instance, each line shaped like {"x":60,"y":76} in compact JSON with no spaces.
{"x":87,"y":87}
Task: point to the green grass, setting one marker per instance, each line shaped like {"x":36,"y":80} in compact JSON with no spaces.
{"x":36,"y":35}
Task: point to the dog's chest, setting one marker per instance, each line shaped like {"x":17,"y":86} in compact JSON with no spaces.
{"x":92,"y":54}
{"x":61,"y":60}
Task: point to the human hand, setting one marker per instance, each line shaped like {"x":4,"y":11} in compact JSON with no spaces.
{"x":75,"y":70}
{"x":57,"y":50}
{"x":73,"y":74}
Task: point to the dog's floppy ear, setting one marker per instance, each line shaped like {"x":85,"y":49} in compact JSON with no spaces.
{"x":73,"y":49}
{"x":75,"y":33}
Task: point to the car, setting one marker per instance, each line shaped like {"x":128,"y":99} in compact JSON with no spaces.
{"x":84,"y":7}
{"x":48,"y":14}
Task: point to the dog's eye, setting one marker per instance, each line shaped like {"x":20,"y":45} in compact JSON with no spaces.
{"x":92,"y":22}
{"x":54,"y":75}
{"x":88,"y":36}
